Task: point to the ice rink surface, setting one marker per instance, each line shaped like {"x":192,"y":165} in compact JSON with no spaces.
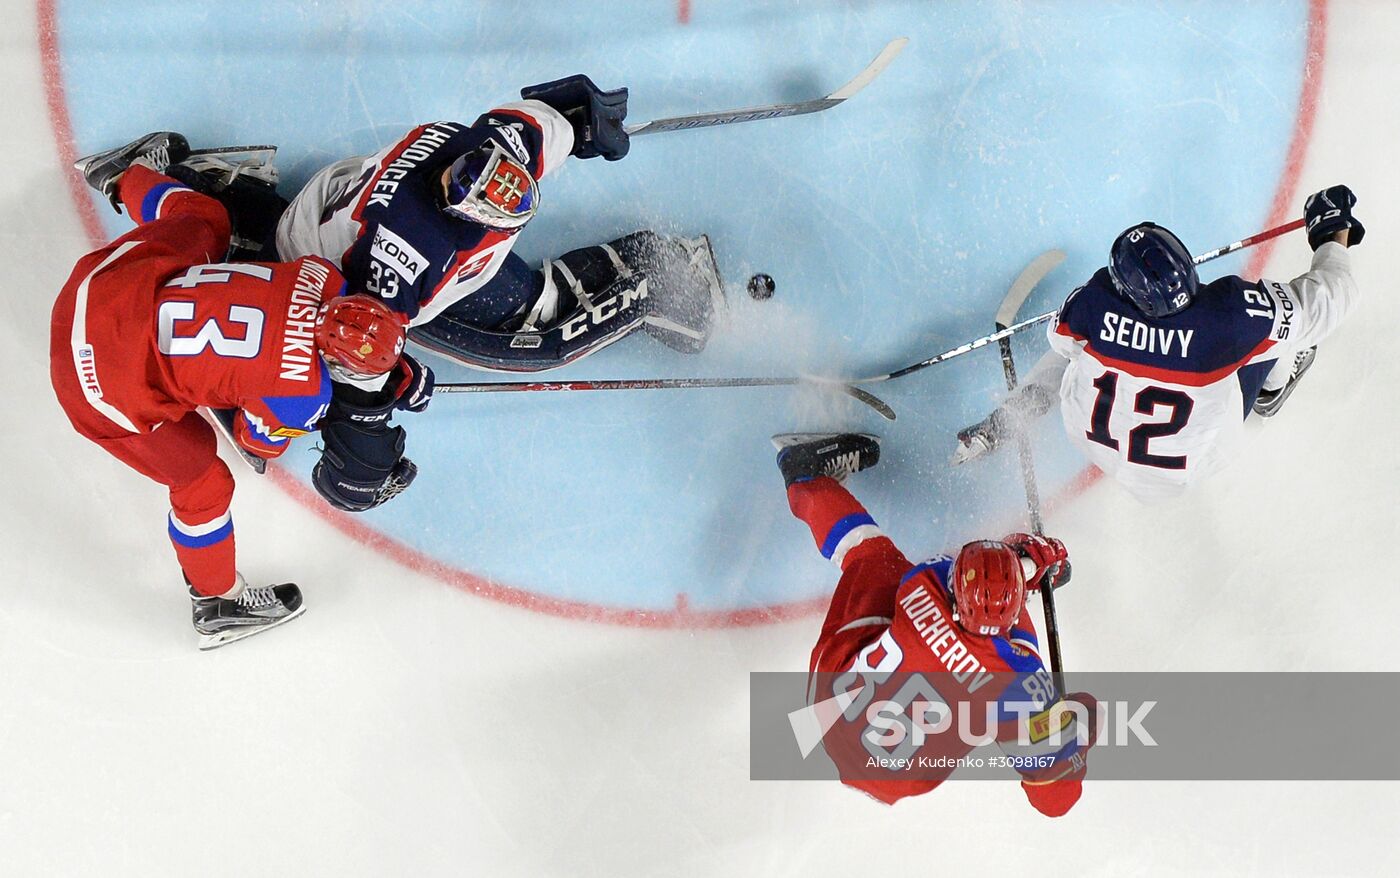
{"x":536,"y":662}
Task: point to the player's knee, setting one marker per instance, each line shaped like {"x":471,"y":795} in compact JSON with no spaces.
{"x":206,"y":495}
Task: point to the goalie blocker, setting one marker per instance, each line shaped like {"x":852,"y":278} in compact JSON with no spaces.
{"x":584,"y":301}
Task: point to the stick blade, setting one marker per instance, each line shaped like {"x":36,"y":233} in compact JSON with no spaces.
{"x":870,"y":399}
{"x":1024,"y":283}
{"x":774,"y":111}
{"x":872,"y":70}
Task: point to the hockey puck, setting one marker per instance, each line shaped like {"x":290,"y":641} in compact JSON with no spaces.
{"x":761,"y":286}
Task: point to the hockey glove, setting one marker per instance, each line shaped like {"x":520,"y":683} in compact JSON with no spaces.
{"x":361,"y":453}
{"x":596,"y":115}
{"x":358,"y":463}
{"x":981,"y":438}
{"x":1329,"y":212}
{"x":1053,"y":790}
{"x":413,"y":384}
{"x":1048,"y":554}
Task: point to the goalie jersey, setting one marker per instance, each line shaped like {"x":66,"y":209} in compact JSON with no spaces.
{"x":1154,"y":402}
{"x":380,"y":219}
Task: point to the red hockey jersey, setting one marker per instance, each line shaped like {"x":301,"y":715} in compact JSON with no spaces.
{"x":154,"y":338}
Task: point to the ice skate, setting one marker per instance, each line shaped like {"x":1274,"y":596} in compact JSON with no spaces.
{"x":157,"y":151}
{"x":244,"y":180}
{"x":223,"y":164}
{"x":1267,"y":404}
{"x":221,"y":620}
{"x":803,"y":456}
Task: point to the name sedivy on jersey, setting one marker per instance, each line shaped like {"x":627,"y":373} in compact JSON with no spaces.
{"x":1139,"y":336}
{"x":299,"y":330}
{"x":420,"y":150}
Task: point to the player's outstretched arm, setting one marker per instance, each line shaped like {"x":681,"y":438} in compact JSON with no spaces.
{"x":1327,"y":292}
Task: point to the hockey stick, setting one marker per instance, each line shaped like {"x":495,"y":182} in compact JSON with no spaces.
{"x":1015,"y":298}
{"x":1045,"y":264}
{"x":1250,"y":241}
{"x":775,"y":111}
{"x":222,"y":422}
{"x":1024,"y":284}
{"x":667,"y":384}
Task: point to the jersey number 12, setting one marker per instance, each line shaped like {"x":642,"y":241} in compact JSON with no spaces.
{"x":1146,"y":403}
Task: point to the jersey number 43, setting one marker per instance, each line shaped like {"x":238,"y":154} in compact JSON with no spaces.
{"x":1146,"y":402}
{"x":173,"y":317}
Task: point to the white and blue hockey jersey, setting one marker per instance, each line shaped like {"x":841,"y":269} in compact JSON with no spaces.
{"x":379,"y":217}
{"x":1155,"y":402}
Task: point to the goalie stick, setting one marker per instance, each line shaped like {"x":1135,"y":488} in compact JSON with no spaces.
{"x":775,"y":111}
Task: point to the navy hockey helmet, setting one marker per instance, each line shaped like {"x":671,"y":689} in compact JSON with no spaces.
{"x":488,"y":186}
{"x":1151,"y":268}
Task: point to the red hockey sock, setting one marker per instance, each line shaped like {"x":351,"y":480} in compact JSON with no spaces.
{"x":838,"y":522}
{"x":201,"y":530}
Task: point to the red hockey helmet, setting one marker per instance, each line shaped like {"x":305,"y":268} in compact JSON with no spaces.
{"x":989,"y":587}
{"x":359,"y":334}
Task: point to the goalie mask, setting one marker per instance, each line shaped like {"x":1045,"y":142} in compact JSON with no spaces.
{"x":488,"y":186}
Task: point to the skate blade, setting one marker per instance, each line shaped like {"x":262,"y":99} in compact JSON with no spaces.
{"x":1271,"y":407}
{"x":227,"y":636}
{"x":262,"y":153}
{"x":787,"y":440}
{"x":251,"y":161}
{"x":84,"y":162}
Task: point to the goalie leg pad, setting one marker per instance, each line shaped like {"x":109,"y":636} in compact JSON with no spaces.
{"x":614,"y":312}
{"x":686,"y":294}
{"x":582,"y":302}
